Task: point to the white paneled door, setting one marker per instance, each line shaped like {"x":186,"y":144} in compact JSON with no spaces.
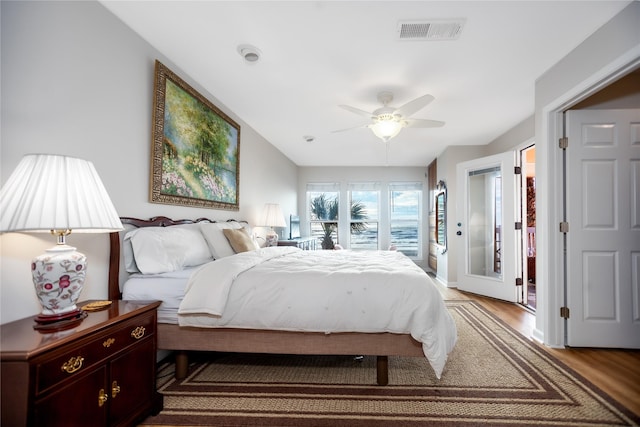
{"x":603,"y":239}
{"x":485,"y":228}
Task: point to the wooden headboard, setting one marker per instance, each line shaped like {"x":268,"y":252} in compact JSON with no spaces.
{"x":115,"y":240}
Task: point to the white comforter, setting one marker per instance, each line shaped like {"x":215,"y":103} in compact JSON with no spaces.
{"x":285,"y":288}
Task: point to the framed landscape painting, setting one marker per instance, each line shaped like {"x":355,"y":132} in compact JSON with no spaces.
{"x":195,"y":156}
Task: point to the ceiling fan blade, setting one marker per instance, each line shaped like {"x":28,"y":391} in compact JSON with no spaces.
{"x":351,"y":128}
{"x":423,"y":123}
{"x":413,"y":106}
{"x":357,"y":111}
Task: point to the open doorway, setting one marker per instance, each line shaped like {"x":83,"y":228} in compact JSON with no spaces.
{"x":528,"y":161}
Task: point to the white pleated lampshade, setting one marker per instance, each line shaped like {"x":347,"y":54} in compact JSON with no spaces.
{"x":53,"y":192}
{"x":272,"y":216}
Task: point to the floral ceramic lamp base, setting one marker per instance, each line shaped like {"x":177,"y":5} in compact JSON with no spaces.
{"x":58,"y":276}
{"x":271,"y":238}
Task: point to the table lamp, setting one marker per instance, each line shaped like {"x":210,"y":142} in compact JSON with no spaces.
{"x":272,"y":217}
{"x":57,"y":194}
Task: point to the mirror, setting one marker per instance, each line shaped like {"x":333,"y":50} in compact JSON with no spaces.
{"x":441,"y":216}
{"x":485,"y":222}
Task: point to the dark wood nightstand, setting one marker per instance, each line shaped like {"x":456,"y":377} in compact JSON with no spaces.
{"x":101,"y":372}
{"x":305,"y":243}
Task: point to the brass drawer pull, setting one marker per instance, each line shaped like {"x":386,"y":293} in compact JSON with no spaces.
{"x":108,"y":342}
{"x":73,"y":364}
{"x":102,"y":397}
{"x":138,"y":332}
{"x":115,"y":389}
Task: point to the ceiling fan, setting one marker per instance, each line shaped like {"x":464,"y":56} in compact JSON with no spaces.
{"x":389,"y":121}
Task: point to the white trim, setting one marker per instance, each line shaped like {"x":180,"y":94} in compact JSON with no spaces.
{"x":526,"y":144}
{"x":406,"y":186}
{"x":364,"y":186}
{"x":549,"y":241}
{"x":323,"y":187}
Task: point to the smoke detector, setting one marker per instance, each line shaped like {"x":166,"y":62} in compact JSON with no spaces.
{"x":251,"y":54}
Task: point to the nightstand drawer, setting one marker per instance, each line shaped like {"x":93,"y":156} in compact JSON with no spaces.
{"x":83,"y":355}
{"x":129,"y":333}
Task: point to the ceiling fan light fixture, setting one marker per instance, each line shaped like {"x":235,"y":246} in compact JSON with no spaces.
{"x":387,"y":126}
{"x":388,"y":121}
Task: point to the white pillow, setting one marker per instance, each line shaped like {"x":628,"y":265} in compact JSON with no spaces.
{"x":164,"y":249}
{"x":218,"y":243}
{"x":129,"y":258}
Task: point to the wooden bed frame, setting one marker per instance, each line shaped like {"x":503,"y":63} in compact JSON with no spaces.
{"x":184,"y":339}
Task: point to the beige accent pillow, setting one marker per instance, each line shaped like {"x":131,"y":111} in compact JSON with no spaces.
{"x":240,"y":240}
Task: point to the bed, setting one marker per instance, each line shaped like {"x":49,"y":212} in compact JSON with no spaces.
{"x":243,"y":278}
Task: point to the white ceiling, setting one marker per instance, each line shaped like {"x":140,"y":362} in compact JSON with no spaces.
{"x":319,"y":54}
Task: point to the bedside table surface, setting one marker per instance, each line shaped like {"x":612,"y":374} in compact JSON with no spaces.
{"x":19,"y":341}
{"x":306,"y":243}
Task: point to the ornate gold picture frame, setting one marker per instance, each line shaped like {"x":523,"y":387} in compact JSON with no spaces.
{"x":195,"y":155}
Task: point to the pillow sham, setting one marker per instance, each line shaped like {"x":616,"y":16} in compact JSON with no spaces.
{"x":240,"y":240}
{"x":164,"y":249}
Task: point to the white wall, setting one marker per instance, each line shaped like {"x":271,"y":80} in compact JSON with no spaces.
{"x":381,"y":175}
{"x":77,"y":81}
{"x":447,"y":162}
{"x":517,"y":137}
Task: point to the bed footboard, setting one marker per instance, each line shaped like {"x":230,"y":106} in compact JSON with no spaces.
{"x":184,"y":339}
{"x":382,"y":367}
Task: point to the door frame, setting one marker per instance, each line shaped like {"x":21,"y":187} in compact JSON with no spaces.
{"x":550,"y":268}
{"x":524,"y":298}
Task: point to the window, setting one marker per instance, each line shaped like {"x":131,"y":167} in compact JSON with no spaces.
{"x":371,"y":221}
{"x":364,"y":203}
{"x":323,"y":202}
{"x":405,"y":216}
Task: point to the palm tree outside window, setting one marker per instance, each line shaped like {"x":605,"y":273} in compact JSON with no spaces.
{"x":324,"y":214}
{"x":364,"y":226}
{"x":324,"y":211}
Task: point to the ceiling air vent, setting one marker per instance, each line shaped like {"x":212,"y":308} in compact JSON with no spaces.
{"x":435,"y":30}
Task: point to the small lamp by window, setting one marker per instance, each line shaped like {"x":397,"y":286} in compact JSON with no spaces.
{"x":57,"y":194}
{"x":272,"y":217}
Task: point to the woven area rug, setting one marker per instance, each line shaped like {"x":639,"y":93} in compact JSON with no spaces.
{"x":494,"y":376}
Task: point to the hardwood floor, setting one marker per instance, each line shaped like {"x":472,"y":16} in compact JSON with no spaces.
{"x":616,"y":372}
